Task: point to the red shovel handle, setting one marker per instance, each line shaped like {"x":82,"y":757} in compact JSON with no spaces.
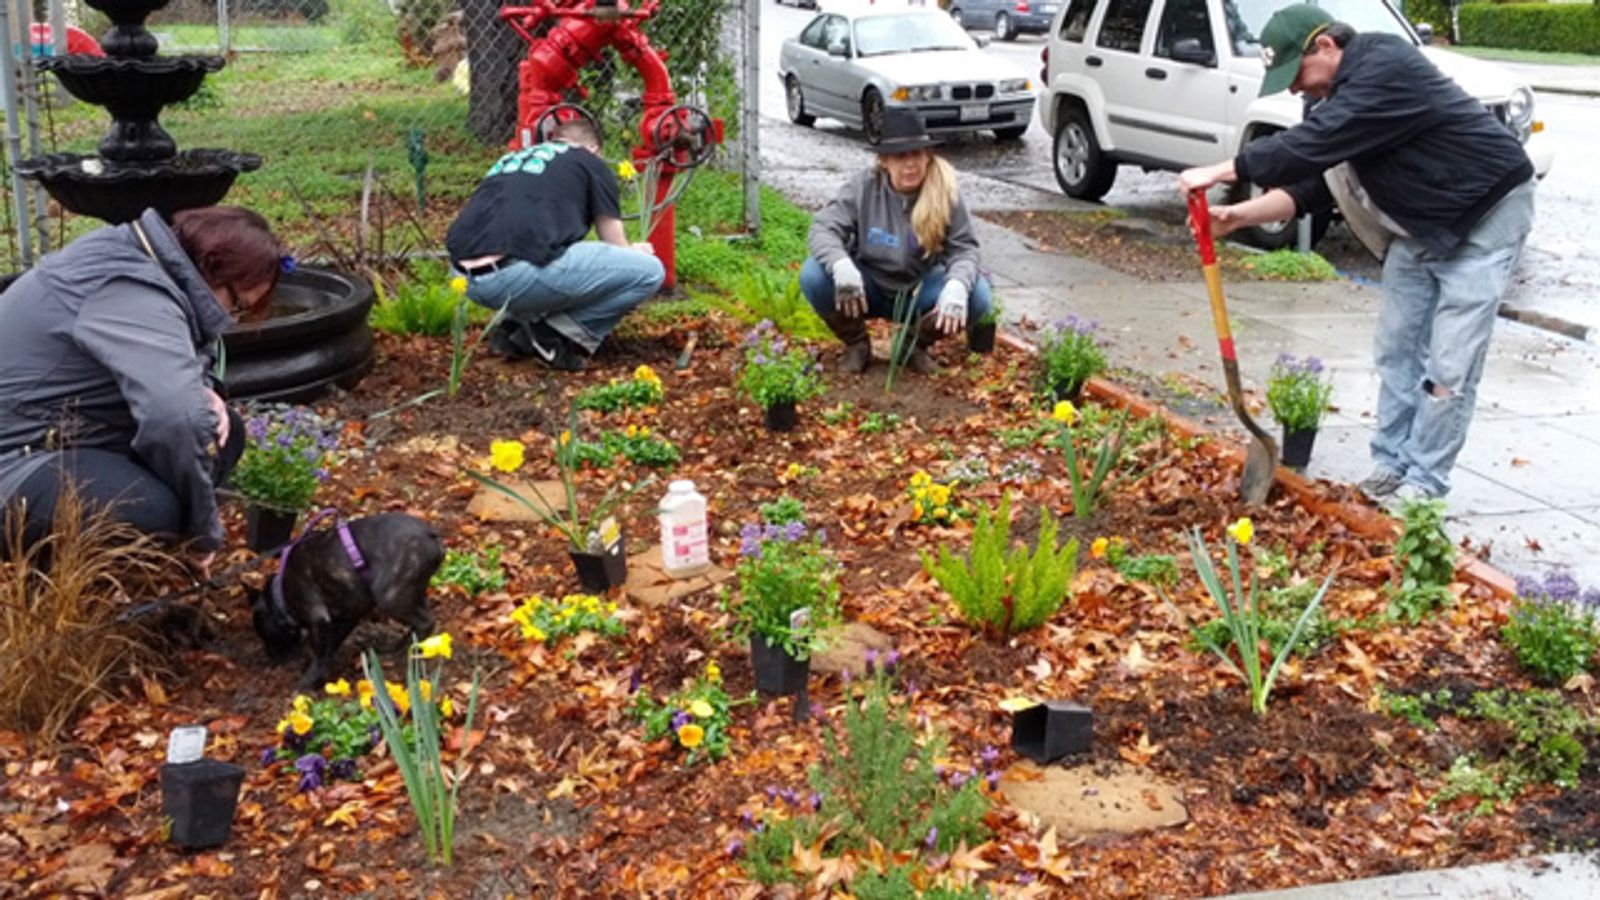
{"x":1200,"y":223}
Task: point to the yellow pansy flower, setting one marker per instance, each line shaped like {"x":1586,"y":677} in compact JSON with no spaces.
{"x":507,"y":456}
{"x":1242,"y":530}
{"x":794,"y":471}
{"x":713,"y":672}
{"x":916,"y":512}
{"x":398,"y":696}
{"x":1098,"y":548}
{"x":364,"y":691}
{"x":939,"y":494}
{"x":921,"y":479}
{"x":645,"y":373}
{"x":283,"y":725}
{"x":626,"y":171}
{"x":300,"y":722}
{"x":633,"y":431}
{"x":566,"y":437}
{"x":1065,"y":412}
{"x":691,"y":735}
{"x":447,"y":708}
{"x":438,"y":645}
{"x":340,"y":688}
{"x":302,"y":704}
{"x":458,"y":285}
{"x":702,"y":709}
{"x":534,"y":633}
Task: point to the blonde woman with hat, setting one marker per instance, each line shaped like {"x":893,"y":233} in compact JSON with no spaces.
{"x":900,"y":226}
{"x":1432,"y":183}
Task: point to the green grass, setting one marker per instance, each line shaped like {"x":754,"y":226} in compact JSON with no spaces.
{"x":293,"y":38}
{"x":1290,"y":265}
{"x":1505,"y":54}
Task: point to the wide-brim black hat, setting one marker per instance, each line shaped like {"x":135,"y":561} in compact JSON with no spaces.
{"x":903,"y":133}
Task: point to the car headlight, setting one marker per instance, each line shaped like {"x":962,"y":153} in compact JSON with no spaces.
{"x":916,"y":93}
{"x":1015,"y":86}
{"x":1519,"y":108}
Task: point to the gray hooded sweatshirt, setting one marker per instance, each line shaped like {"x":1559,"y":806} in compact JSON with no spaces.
{"x":870,"y":222}
{"x":102,"y":346}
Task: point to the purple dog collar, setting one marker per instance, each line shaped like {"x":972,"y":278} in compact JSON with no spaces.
{"x":346,"y":539}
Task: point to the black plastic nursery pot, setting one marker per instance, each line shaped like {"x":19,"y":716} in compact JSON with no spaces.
{"x":1072,"y":393}
{"x":1050,"y":730}
{"x":600,"y":572}
{"x":776,"y":671}
{"x":199,"y":798}
{"x":1297,"y":447}
{"x":980,"y":337}
{"x":267,"y":529}
{"x":781,"y":417}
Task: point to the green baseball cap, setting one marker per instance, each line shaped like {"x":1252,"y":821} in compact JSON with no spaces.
{"x":1285,"y":39}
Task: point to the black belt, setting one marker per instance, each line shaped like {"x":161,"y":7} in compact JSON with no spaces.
{"x":486,"y":268}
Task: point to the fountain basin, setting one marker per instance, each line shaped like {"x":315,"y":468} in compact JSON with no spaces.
{"x":316,"y":338}
{"x":131,"y":88}
{"x":120,"y":192}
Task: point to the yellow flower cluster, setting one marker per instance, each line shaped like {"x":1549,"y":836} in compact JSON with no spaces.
{"x":507,"y":456}
{"x":638,"y":431}
{"x":690,"y":735}
{"x":537,"y":614}
{"x":646,"y":374}
{"x":930,"y":500}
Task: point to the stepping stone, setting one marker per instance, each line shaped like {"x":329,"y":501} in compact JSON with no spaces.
{"x":649,"y":583}
{"x":490,"y":505}
{"x":847,"y":649}
{"x":1090,"y":800}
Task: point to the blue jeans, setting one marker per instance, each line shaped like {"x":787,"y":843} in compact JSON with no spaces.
{"x":1432,"y":337}
{"x":817,"y":286}
{"x":583,"y":293}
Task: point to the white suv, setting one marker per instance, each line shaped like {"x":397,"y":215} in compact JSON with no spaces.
{"x":1142,"y":82}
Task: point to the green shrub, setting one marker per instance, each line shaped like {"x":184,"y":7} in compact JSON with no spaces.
{"x":1291,"y":265}
{"x":474,"y":573}
{"x":1006,"y":589}
{"x":362,"y":21}
{"x":1551,"y":27}
{"x":782,"y":511}
{"x":1551,"y":635}
{"x":1427,"y":562}
{"x":1434,"y":12}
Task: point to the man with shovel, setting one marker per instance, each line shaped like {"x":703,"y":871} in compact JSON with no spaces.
{"x":1431,"y":183}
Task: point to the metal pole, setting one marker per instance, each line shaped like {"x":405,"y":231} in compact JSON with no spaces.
{"x":222,"y":25}
{"x":750,"y":116}
{"x":58,"y":28}
{"x":8,"y":87}
{"x":30,"y":96}
{"x":1302,"y":233}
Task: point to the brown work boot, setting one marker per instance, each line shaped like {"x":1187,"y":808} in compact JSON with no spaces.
{"x":927,"y":335}
{"x":857,"y":343}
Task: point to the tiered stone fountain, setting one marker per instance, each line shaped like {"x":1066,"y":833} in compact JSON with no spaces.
{"x":317,"y":333}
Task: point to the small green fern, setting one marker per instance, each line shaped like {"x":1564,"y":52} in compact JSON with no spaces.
{"x":1003,"y":588}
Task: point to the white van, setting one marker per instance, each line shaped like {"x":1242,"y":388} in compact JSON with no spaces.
{"x":1169,"y":84}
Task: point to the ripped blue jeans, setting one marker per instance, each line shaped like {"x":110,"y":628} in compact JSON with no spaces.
{"x":1432,"y":339}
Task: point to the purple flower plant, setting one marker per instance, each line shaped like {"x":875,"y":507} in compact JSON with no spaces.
{"x":990,"y":756}
{"x":312,"y":767}
{"x":342,"y":770}
{"x":932,"y":840}
{"x":269,"y":755}
{"x":736,"y":848}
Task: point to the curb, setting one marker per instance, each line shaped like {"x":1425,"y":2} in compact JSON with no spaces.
{"x":1569,"y":90}
{"x":1362,"y":520}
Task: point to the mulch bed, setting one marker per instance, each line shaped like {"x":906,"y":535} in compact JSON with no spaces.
{"x":565,"y":799}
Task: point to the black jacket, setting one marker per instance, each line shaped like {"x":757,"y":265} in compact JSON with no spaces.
{"x":1431,"y":157}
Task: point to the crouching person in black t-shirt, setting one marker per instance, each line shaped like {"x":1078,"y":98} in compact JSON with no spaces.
{"x":520,"y":243}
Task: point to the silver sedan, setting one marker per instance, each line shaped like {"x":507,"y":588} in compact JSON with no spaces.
{"x":849,"y":66}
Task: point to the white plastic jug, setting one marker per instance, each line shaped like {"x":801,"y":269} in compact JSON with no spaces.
{"x":684,"y":547}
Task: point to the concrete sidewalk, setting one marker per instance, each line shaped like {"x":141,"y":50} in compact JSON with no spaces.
{"x":1521,"y":487}
{"x":1561,"y":876}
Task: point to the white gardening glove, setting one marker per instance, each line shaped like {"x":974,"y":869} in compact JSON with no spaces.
{"x":849,"y":291}
{"x":950,"y":316}
{"x":220,"y":410}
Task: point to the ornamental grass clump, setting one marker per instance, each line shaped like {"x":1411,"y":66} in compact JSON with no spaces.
{"x":1243,"y":616}
{"x":287,"y":453}
{"x":586,"y":532}
{"x":1001,"y":588}
{"x":417,"y":745}
{"x":1088,"y":488}
{"x":880,"y":787}
{"x":1069,"y":355}
{"x":549,"y":621}
{"x":1298,"y":392}
{"x":784,"y":569}
{"x":775,"y":373}
{"x":642,"y":390}
{"x":1552,"y":629}
{"x":696,"y":717}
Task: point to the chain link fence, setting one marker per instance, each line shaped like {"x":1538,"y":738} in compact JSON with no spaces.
{"x":375,"y":118}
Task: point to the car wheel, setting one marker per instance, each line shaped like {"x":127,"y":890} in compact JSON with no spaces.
{"x":1010,"y":134}
{"x":1081,"y":169}
{"x":1271,"y":235}
{"x":796,"y":102}
{"x":1003,"y":29}
{"x":872,"y":116}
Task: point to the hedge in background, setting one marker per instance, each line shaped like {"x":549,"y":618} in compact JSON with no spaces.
{"x":1553,"y":27}
{"x":1434,"y":12}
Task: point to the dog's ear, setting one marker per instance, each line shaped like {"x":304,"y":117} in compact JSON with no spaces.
{"x":278,"y":635}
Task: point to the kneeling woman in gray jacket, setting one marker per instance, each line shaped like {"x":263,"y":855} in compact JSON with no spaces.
{"x":900,"y":226}
{"x":105,"y":350}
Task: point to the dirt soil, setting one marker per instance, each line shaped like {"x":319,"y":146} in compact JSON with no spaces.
{"x":564,"y":798}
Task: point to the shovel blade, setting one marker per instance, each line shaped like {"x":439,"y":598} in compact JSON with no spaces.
{"x":1260,"y":464}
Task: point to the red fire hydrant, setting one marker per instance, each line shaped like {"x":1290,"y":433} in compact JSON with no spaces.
{"x":680,"y":137}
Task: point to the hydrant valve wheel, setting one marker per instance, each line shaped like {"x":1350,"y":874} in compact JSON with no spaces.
{"x":684,"y":136}
{"x":559,"y":115}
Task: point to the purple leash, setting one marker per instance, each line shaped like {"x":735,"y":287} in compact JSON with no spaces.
{"x":346,"y":539}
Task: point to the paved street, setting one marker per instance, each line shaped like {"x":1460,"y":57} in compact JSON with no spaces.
{"x":1555,"y":278}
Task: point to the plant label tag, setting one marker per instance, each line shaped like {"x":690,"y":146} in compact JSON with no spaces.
{"x":800,"y":618}
{"x":186,"y":744}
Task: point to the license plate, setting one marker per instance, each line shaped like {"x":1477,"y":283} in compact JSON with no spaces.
{"x":1047,"y":8}
{"x":974,"y":112}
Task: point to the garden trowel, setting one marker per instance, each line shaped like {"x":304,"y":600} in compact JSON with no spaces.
{"x":1262,"y":458}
